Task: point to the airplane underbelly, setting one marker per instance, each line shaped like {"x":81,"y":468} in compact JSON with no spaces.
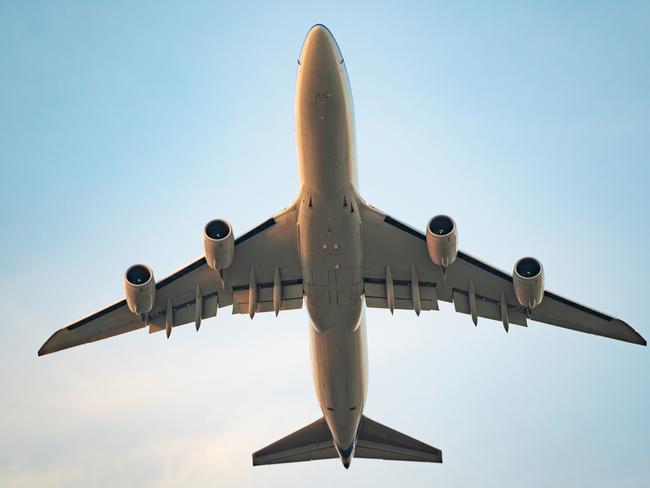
{"x":339,"y":364}
{"x":331,"y":259}
{"x":329,"y":235}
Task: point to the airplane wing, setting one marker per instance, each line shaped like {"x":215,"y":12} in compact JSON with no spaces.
{"x":397,"y":253}
{"x":258,"y":254}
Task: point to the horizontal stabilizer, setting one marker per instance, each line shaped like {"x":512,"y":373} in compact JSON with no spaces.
{"x":307,"y":444}
{"x":376,"y":441}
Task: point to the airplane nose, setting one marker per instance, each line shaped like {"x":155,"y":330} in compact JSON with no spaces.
{"x":319,"y":30}
{"x":320,"y":49}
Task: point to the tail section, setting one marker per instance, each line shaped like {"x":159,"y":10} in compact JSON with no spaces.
{"x":374,"y":441}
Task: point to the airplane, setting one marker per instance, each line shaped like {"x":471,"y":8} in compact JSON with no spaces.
{"x":334,"y":252}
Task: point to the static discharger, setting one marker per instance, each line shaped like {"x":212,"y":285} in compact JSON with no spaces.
{"x":277,"y":291}
{"x":472,"y":303}
{"x":415,"y":291}
{"x":252,"y":293}
{"x":504,"y":311}
{"x":390,"y":290}
{"x":169,"y":318}
{"x":198,"y":310}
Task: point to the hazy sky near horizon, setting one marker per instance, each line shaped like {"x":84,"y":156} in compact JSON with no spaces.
{"x":125,"y":128}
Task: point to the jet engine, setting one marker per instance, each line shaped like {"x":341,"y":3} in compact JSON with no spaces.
{"x":219,"y":244}
{"x":528,"y":280}
{"x":441,"y":240}
{"x":140,"y":289}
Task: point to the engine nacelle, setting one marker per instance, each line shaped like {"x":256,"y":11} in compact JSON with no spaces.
{"x":219,"y":244}
{"x":140,"y":289}
{"x":441,"y":240}
{"x":528,"y":280}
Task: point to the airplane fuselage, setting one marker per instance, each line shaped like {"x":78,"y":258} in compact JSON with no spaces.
{"x":329,"y":229}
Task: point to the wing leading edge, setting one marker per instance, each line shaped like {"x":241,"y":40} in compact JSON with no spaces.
{"x":397,"y":251}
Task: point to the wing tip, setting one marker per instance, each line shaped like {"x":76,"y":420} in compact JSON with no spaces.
{"x":629,"y":335}
{"x":46,"y":347}
{"x":638,"y":338}
{"x":55,"y":343}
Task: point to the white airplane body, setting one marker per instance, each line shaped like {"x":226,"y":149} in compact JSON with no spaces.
{"x":333,"y":251}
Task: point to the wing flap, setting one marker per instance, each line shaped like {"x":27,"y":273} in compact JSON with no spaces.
{"x":267,"y":306}
{"x":376,"y":296}
{"x":487,"y":308}
{"x":292,"y":294}
{"x":185,"y":312}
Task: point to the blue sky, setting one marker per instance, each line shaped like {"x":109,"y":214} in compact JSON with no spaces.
{"x":123,"y":129}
